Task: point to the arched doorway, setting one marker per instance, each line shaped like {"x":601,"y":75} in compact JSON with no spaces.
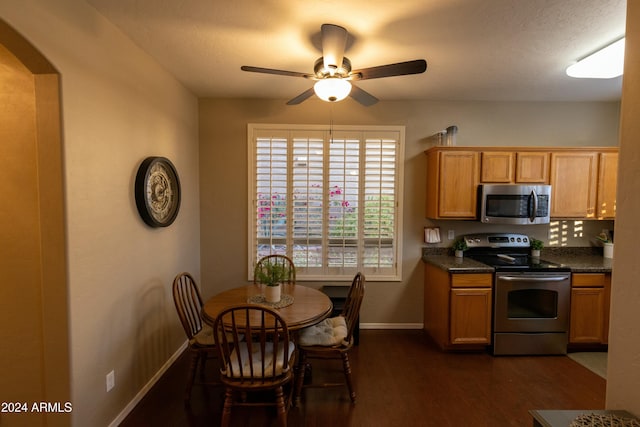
{"x":34,"y":362}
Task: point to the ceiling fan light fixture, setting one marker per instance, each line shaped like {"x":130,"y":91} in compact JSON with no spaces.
{"x":332,"y":71}
{"x":606,"y":63}
{"x":332,"y":89}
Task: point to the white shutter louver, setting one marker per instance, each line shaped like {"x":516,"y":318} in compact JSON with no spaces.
{"x":328,"y":200}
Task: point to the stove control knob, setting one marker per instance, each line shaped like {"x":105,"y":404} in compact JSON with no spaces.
{"x":519,"y":239}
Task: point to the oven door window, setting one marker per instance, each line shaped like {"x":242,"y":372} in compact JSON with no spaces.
{"x":532,"y":304}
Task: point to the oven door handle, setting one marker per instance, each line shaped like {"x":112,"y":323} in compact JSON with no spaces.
{"x":534,"y":278}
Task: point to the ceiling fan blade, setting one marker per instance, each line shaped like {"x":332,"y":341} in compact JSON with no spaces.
{"x":273,"y":71}
{"x":302,"y":97}
{"x":334,"y":41}
{"x":400,"y":69}
{"x":362,"y":96}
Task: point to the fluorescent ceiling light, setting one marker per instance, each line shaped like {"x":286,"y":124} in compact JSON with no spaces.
{"x":606,"y":63}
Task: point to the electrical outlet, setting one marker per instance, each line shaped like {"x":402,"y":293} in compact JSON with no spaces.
{"x":111,"y":380}
{"x":451,"y":234}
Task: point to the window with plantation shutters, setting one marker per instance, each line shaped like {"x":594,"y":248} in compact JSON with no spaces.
{"x":328,"y":199}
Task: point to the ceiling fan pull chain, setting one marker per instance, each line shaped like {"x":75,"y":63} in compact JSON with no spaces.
{"x":330,"y":123}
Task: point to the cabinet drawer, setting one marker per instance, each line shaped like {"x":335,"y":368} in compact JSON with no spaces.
{"x":472,"y":280}
{"x":587,"y":280}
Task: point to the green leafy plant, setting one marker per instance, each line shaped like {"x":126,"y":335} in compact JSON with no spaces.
{"x":536,"y":244}
{"x":460,"y":245}
{"x":271,"y":273}
{"x":604,"y":237}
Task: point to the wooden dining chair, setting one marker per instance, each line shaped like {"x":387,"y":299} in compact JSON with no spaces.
{"x":285,"y":261}
{"x":331,"y":339}
{"x":256,"y":356}
{"x":188,"y":302}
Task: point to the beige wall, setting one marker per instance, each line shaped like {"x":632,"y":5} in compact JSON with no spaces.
{"x":223,"y":174}
{"x":119,"y":107}
{"x":623,"y":374}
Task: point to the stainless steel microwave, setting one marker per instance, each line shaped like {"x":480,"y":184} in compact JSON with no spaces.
{"x":514,"y":204}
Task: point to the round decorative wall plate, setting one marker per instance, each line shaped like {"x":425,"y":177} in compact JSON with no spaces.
{"x":157,"y":191}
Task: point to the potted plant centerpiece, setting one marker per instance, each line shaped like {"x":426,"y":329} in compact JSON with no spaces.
{"x":536,"y":247}
{"x":272,"y":274}
{"x":459,"y":246}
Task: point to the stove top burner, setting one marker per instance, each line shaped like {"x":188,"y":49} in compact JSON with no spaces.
{"x":514,"y":261}
{"x":507,"y":252}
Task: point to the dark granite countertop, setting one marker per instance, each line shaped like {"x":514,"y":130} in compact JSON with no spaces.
{"x":578,"y":259}
{"x":457,"y":265}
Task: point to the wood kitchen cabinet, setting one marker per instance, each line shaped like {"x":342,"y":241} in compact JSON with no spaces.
{"x":497,"y":167}
{"x":607,"y":185}
{"x":452,"y":182}
{"x":574,"y":180}
{"x":519,"y":167}
{"x":532,"y":167}
{"x":589,"y":321}
{"x":583,"y":180}
{"x":457,"y":308}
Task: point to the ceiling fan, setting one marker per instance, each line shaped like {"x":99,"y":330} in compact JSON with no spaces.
{"x":333,"y":74}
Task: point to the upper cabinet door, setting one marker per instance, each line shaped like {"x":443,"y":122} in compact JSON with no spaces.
{"x":532,"y":167}
{"x":452,"y":182}
{"x":521,"y":167}
{"x":607,"y":185}
{"x":497,"y":166}
{"x":574,"y":177}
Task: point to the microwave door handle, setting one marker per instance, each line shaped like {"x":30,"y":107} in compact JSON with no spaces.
{"x":532,"y":213}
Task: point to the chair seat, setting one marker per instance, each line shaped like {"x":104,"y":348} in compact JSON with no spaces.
{"x":329,"y":332}
{"x":248,"y":370}
{"x":205,"y":336}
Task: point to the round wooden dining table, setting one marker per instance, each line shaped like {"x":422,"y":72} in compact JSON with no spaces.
{"x":308,"y":306}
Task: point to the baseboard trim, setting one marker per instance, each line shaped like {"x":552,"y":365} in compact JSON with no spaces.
{"x":138,"y":397}
{"x":391,"y":325}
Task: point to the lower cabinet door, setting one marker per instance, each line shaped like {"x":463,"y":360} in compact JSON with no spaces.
{"x":587,"y":316}
{"x":470,"y":316}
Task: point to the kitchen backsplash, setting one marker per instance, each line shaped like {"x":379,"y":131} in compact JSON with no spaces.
{"x":554,"y":251}
{"x":568,"y":233}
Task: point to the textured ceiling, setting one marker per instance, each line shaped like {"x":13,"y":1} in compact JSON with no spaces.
{"x":475,"y":49}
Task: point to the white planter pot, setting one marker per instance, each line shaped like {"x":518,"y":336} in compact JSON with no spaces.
{"x":459,"y":254}
{"x":535,"y":253}
{"x":272,"y":293}
{"x":607,"y":251}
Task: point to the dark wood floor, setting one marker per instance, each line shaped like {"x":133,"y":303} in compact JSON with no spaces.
{"x":401,"y":379}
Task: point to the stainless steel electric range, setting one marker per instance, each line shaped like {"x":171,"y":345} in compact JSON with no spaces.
{"x":530,"y":295}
